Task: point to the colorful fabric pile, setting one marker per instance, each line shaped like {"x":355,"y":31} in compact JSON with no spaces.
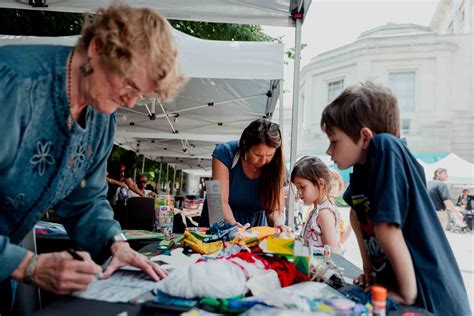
{"x":227,"y":277}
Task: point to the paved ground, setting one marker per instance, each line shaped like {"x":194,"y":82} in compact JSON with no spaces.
{"x":461,"y":244}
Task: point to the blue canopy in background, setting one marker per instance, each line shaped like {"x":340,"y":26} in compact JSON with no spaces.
{"x":428,"y":158}
{"x":431,"y":157}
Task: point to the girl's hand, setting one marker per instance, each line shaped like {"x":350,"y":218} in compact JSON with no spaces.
{"x":283,"y":229}
{"x":244,"y":227}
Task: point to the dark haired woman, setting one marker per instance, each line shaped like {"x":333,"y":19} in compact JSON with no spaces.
{"x":251,"y":174}
{"x":119,"y":175}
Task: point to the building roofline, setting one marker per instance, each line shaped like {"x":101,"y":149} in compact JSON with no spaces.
{"x":394,"y":26}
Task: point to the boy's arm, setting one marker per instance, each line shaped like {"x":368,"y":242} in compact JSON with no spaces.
{"x":391,"y":240}
{"x":367,"y":265}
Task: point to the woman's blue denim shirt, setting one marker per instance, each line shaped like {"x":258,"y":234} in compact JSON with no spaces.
{"x":46,"y":159}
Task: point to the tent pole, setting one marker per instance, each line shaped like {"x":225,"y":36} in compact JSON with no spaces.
{"x":281,"y":108}
{"x":167,"y":174}
{"x":158,"y":183}
{"x":143,"y":164}
{"x":294,"y":117}
{"x":181,"y":184}
{"x":174,"y":181}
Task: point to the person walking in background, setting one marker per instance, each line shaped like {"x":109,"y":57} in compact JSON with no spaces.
{"x":58,"y":126}
{"x":441,"y":198}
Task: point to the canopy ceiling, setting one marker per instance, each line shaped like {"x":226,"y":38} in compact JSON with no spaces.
{"x":263,"y":12}
{"x":230,"y":84}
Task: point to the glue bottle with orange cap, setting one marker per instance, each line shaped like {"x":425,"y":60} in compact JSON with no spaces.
{"x":379,"y":300}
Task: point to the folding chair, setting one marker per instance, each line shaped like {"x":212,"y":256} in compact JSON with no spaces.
{"x":141,"y":213}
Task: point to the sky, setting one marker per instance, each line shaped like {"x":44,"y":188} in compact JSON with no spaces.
{"x":331,"y":24}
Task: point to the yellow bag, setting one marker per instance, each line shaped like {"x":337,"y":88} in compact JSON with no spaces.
{"x":201,"y":247}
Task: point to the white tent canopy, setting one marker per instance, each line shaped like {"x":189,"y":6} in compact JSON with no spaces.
{"x":200,"y":58}
{"x":231,"y":84}
{"x":263,"y":12}
{"x":460,"y":171}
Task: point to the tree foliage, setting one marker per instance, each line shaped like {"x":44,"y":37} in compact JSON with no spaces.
{"x":221,"y":31}
{"x":39,"y":23}
{"x":49,"y":23}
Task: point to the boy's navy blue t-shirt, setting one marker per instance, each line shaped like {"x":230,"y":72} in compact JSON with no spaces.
{"x":390,"y":187}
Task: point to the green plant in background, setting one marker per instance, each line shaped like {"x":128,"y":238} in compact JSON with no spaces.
{"x":222,"y":31}
{"x":39,"y":23}
{"x":49,"y":23}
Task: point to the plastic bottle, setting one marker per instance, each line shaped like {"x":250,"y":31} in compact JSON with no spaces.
{"x":379,"y":300}
{"x":326,"y":253}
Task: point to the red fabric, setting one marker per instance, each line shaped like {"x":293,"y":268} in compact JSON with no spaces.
{"x":250,"y":257}
{"x":287,"y":272}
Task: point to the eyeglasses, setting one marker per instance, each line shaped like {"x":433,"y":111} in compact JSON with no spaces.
{"x":143,"y":181}
{"x":268,"y":126}
{"x":132,"y":91}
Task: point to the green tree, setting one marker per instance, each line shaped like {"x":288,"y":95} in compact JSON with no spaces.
{"x":39,"y":23}
{"x":49,"y":23}
{"x":221,"y":31}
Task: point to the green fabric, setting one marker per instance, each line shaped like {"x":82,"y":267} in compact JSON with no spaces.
{"x":220,"y":305}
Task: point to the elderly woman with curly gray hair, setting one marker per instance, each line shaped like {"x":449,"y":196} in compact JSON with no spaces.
{"x":58,"y":127}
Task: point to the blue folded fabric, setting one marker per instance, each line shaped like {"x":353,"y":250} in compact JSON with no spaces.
{"x":165,"y":299}
{"x":221,"y":231}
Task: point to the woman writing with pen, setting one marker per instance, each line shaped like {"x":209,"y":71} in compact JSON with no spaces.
{"x":58,"y":128}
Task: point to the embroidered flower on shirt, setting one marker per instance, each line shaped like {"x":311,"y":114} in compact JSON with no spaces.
{"x":79,"y":155}
{"x":42,"y":158}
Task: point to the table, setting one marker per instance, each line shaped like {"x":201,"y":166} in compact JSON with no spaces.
{"x":352,"y":271}
{"x":79,"y":307}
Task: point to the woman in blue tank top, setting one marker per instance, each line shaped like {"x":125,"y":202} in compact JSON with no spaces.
{"x":251,"y":173}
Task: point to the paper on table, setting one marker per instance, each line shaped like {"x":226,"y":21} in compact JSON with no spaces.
{"x":120,"y":287}
{"x":176,"y":259}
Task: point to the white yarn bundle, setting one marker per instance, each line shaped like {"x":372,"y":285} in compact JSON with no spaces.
{"x":218,"y":278}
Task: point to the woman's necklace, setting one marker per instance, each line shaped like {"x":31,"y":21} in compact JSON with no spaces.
{"x":69,"y":120}
{"x":69,"y":75}
{"x":251,"y":170}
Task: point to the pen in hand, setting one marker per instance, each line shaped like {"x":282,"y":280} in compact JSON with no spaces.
{"x":74,"y":254}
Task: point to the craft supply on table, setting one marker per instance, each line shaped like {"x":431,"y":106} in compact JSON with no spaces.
{"x":164,"y":215}
{"x":379,"y":300}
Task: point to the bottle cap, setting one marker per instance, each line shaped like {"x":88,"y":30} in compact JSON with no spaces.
{"x":379,"y":293}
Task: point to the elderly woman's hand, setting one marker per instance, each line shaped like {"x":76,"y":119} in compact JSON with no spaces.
{"x":123,"y":255}
{"x":58,"y":272}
